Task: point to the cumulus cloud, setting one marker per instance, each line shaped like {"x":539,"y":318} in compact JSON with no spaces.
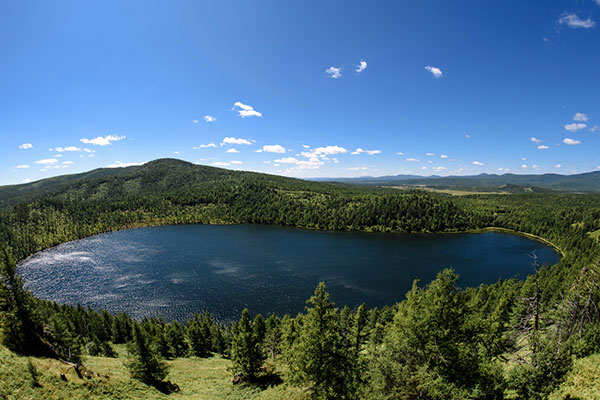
{"x":367,"y":152}
{"x":329,"y":150}
{"x":440,"y":168}
{"x":334,"y":72}
{"x":47,"y":161}
{"x":542,"y":147}
{"x":68,"y":163}
{"x":195,"y":121}
{"x":72,"y":148}
{"x":573,"y":21}
{"x":558,"y":166}
{"x":574,"y":127}
{"x":430,"y":154}
{"x":271,"y":148}
{"x":203,"y":146}
{"x":479,"y":163}
{"x":361,"y":66}
{"x":209,"y":118}
{"x":435,"y":71}
{"x":411,"y":159}
{"x":571,"y":142}
{"x":287,"y":160}
{"x":244,"y":110}
{"x":22,"y":166}
{"x":236,"y":162}
{"x":25,"y":146}
{"x":102,"y":141}
{"x":524,"y":166}
{"x":443,"y":156}
{"x":581,"y":117}
{"x":232,"y":140}
{"x":119,"y":164}
{"x":535,"y":140}
{"x":595,"y":128}
{"x":220,"y":164}
{"x":399,"y":153}
{"x":233,"y":151}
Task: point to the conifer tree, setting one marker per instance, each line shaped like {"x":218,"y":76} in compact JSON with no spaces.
{"x":246,"y":353}
{"x":318,"y":356}
{"x":146,"y":366}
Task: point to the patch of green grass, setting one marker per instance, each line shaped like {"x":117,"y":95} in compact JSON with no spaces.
{"x":205,"y":379}
{"x":595,"y":234}
{"x":583,"y":382}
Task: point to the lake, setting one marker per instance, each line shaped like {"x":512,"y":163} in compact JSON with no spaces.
{"x":176,"y":271}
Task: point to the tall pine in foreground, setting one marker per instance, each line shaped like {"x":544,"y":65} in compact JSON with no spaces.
{"x":318,"y":356}
{"x":247,"y":355}
{"x":431,"y":350}
{"x":19,"y":323}
{"x":146,"y":365}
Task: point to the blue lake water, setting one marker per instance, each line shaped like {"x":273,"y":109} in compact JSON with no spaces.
{"x":175,"y":271}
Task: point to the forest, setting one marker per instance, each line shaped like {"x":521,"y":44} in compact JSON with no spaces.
{"x":511,"y":339}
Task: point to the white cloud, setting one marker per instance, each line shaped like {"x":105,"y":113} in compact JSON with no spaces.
{"x":306,"y":146}
{"x":595,"y":128}
{"x":72,"y":148}
{"x":334,"y":72}
{"x":443,"y":156}
{"x":68,"y":163}
{"x":271,"y":148}
{"x":119,"y":164}
{"x":361,"y":66}
{"x":479,"y":163}
{"x":244,"y":110}
{"x":26,"y":180}
{"x":25,"y":146}
{"x":361,"y":168}
{"x":570,"y":141}
{"x":535,"y":140}
{"x":328,"y":150}
{"x":22,"y":166}
{"x":102,"y":141}
{"x":558,"y":166}
{"x":47,"y":161}
{"x":236,"y":162}
{"x":467,"y":136}
{"x":195,"y":121}
{"x":400,"y":153}
{"x":524,"y":166}
{"x":573,"y":21}
{"x":368,"y":152}
{"x":287,"y":160}
{"x":210,"y":118}
{"x":535,"y":166}
{"x":412,"y":159}
{"x":175,"y":152}
{"x":435,"y":71}
{"x":440,"y":168}
{"x":233,"y":151}
{"x":574,"y":127}
{"x":542,"y":147}
{"x":232,"y":140}
{"x":581,"y":117}
{"x":430,"y":154}
{"x":221,"y":164}
{"x":203,"y":146}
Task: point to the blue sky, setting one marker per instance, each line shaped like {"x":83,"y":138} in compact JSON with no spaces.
{"x":305,"y":89}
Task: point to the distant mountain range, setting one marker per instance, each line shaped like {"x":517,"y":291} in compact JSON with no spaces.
{"x":586,"y":182}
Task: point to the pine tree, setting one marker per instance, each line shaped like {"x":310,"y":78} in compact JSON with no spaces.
{"x":318,"y":356}
{"x":20,"y":325}
{"x":146,"y":366}
{"x":246,"y":353}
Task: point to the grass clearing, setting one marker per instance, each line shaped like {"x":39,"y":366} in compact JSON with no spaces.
{"x":206,"y":379}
